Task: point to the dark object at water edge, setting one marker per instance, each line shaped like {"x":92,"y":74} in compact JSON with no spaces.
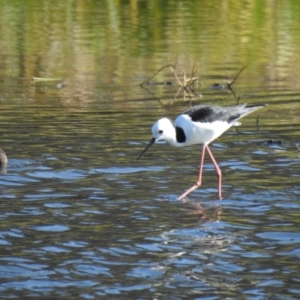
{"x":3,"y":159}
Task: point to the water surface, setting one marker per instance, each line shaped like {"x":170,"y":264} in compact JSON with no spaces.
{"x":81,"y":217}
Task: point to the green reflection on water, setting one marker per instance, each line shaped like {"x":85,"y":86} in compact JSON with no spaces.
{"x":104,"y":42}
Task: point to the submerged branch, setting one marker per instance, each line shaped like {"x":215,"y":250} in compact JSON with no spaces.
{"x":166,"y":66}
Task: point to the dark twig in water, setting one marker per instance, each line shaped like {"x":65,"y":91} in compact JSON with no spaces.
{"x":234,"y":95}
{"x":230,"y":83}
{"x":186,"y":84}
{"x":158,"y":99}
{"x":166,"y":66}
{"x":238,"y":74}
{"x":257,"y":122}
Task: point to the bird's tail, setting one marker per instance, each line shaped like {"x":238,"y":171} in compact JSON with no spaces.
{"x":248,"y":109}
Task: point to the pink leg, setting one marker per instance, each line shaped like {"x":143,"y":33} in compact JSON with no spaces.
{"x":198,"y":183}
{"x":218,"y":172}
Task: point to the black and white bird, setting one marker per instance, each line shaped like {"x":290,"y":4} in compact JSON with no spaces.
{"x":200,"y":124}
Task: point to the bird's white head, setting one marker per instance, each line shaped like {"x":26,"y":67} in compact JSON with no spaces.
{"x":162,"y":130}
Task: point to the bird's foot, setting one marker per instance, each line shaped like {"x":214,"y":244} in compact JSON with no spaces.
{"x":189,"y":191}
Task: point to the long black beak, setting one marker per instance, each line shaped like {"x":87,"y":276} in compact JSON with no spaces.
{"x":148,"y":146}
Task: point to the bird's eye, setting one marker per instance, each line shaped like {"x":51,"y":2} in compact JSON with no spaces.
{"x":160,"y":131}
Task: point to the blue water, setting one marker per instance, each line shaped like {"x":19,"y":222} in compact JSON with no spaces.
{"x":81,"y":217}
{"x":96,"y":222}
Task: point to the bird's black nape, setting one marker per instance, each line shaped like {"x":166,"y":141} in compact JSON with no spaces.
{"x":147,"y":147}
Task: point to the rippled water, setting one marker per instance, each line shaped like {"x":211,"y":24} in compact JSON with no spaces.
{"x":82,"y":218}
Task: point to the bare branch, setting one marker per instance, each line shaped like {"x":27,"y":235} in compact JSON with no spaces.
{"x":166,"y":66}
{"x":238,"y":74}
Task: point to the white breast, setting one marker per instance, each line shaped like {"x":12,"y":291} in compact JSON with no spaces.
{"x":200,"y":133}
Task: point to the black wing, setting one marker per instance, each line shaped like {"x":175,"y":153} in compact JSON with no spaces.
{"x":209,"y":114}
